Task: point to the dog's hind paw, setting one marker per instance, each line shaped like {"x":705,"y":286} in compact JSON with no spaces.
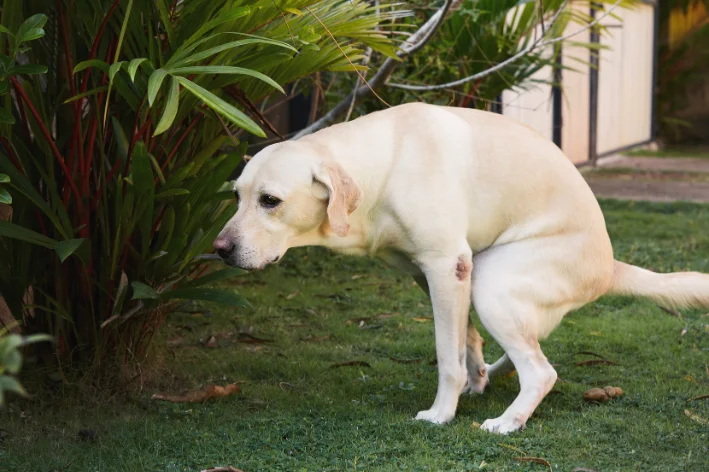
{"x":477,"y":382}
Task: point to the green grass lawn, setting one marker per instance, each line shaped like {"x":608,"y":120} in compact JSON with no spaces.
{"x":696,"y":152}
{"x":296,"y":412}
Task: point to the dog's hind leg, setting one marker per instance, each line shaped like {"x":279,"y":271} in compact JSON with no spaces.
{"x":502,"y":366}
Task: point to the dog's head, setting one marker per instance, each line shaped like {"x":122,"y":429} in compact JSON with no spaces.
{"x":285,"y":191}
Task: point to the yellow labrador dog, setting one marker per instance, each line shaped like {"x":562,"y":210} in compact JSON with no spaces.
{"x":479,"y":207}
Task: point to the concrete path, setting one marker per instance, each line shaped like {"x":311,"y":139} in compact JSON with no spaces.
{"x":655,"y":179}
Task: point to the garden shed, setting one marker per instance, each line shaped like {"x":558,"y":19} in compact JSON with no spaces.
{"x":602,"y":101}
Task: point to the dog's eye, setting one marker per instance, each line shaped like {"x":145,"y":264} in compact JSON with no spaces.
{"x":269,"y":201}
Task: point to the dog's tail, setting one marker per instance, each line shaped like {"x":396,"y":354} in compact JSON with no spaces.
{"x":674,"y":290}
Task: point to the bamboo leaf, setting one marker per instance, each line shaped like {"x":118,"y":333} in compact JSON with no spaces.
{"x":171,"y":106}
{"x":154,"y":83}
{"x":14,"y":231}
{"x":230,"y":45}
{"x":5,"y":197}
{"x":29,"y":69}
{"x":133,"y":67}
{"x":230,"y":112}
{"x":175,"y":192}
{"x":103,"y":66}
{"x":142,"y":291}
{"x":64,"y":249}
{"x":199,"y":70}
{"x":113,"y":70}
{"x":9,"y":384}
{"x":6,"y":116}
{"x":88,"y":93}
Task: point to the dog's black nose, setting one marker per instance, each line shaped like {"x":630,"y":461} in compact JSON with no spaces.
{"x":224,"y":247}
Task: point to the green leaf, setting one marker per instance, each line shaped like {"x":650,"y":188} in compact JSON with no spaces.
{"x":230,"y":112}
{"x":31,"y":35}
{"x":142,"y":291}
{"x":33,"y":22}
{"x":207,"y":294}
{"x":133,"y":67}
{"x":172,"y":193}
{"x":5,"y":197}
{"x":11,"y":230}
{"x":144,"y":183}
{"x":215,"y":276}
{"x":6,"y":116}
{"x":5,"y":30}
{"x":92,"y":63}
{"x":113,"y":70}
{"x":12,"y":360}
{"x":88,"y":93}
{"x":4,"y":179}
{"x":294,"y":11}
{"x":29,"y":69}
{"x":154,"y":83}
{"x":35,"y":338}
{"x":171,"y":106}
{"x":64,"y":249}
{"x":226,"y":70}
{"x":9,"y":384}
{"x":230,"y":45}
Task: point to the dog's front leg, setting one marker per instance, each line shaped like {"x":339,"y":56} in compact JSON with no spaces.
{"x":474,"y":359}
{"x":448,"y":279}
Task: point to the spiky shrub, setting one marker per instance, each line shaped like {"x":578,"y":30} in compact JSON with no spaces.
{"x":116,"y":144}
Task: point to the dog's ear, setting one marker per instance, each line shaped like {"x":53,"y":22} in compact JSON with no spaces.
{"x":344,"y":196}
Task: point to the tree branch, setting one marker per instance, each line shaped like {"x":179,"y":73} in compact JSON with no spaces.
{"x":540,"y":43}
{"x":417,"y":40}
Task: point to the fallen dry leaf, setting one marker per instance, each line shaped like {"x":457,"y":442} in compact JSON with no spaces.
{"x":292,"y":295}
{"x":422,"y":319}
{"x":697,"y":418}
{"x":250,"y":339}
{"x":226,"y":468}
{"x":282,"y":385}
{"x":350,"y":364}
{"x":700,"y":397}
{"x":196,"y":396}
{"x":670,"y":311}
{"x":537,"y":460}
{"x":175,"y":341}
{"x":582,"y":469}
{"x":475,"y":424}
{"x":211,"y":342}
{"x":613,"y":392}
{"x":589,"y":353}
{"x":596,"y":362}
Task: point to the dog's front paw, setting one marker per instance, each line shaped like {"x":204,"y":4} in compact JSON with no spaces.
{"x":435,"y":416}
{"x":502,"y":425}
